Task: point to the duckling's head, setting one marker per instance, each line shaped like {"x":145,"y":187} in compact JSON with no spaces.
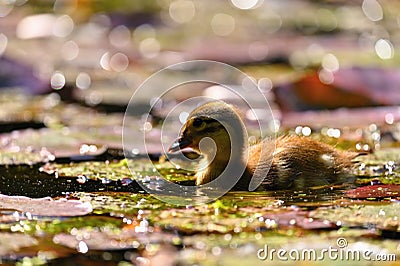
{"x":214,"y":120}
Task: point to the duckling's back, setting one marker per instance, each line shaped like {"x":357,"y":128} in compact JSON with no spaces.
{"x":297,"y":163}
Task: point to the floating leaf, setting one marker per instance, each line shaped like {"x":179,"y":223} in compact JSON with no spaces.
{"x":375,"y":191}
{"x":380,"y":216}
{"x":13,"y":242}
{"x":85,"y":239}
{"x":28,"y":208}
{"x":28,"y":157}
{"x":118,"y":170}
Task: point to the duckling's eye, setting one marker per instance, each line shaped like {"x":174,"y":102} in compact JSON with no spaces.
{"x":198,"y":123}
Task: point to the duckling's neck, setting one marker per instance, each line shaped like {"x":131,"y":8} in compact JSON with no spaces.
{"x":215,"y":162}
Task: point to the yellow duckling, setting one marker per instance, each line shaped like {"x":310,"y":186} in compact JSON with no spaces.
{"x":287,"y":163}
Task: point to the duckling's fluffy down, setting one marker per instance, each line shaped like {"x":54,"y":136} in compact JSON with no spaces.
{"x":297,"y":163}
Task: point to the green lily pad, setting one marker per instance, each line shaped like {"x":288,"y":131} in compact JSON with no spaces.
{"x":380,"y":216}
{"x":28,"y":157}
{"x":119,"y":170}
{"x":381,"y":166}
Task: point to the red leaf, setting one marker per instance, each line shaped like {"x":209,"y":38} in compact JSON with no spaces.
{"x":375,"y":191}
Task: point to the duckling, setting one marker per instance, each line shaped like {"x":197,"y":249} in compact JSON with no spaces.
{"x":289,"y":162}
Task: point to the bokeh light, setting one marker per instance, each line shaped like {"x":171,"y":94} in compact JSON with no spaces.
{"x":330,"y":63}
{"x":149,"y":47}
{"x":372,"y":10}
{"x":5,"y":9}
{"x":69,"y":50}
{"x":265,"y":84}
{"x":105,"y":61}
{"x":245,"y":4}
{"x":83,"y":81}
{"x":57,"y":81}
{"x":119,"y":62}
{"x":326,"y":76}
{"x":384,"y":49}
{"x":63,"y":26}
{"x":258,"y":51}
{"x":120,"y":36}
{"x":43,"y":26}
{"x":222,"y":24}
{"x":182,"y":11}
{"x":3,"y":43}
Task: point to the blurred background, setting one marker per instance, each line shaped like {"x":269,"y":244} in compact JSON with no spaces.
{"x":330,"y":70}
{"x":304,"y":55}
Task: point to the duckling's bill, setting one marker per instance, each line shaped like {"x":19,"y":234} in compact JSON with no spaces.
{"x":179,"y":143}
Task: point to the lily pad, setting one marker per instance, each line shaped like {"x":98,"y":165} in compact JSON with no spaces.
{"x":379,"y":216}
{"x":21,"y":208}
{"x":375,"y":191}
{"x":27,"y":156}
{"x":121,"y":204}
{"x":13,"y":242}
{"x":59,"y":141}
{"x":118,"y":170}
{"x":85,"y":239}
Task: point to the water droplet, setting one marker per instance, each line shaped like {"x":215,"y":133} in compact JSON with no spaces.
{"x":81,"y":179}
{"x":306,"y":131}
{"x":106,"y":181}
{"x":389,"y":118}
{"x":298,"y":130}
{"x":333,"y":132}
{"x":126,"y":181}
{"x":82,"y":247}
{"x":365,"y":147}
{"x":375,"y":182}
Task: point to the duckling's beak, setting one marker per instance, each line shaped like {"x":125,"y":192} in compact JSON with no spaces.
{"x":179,"y":143}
